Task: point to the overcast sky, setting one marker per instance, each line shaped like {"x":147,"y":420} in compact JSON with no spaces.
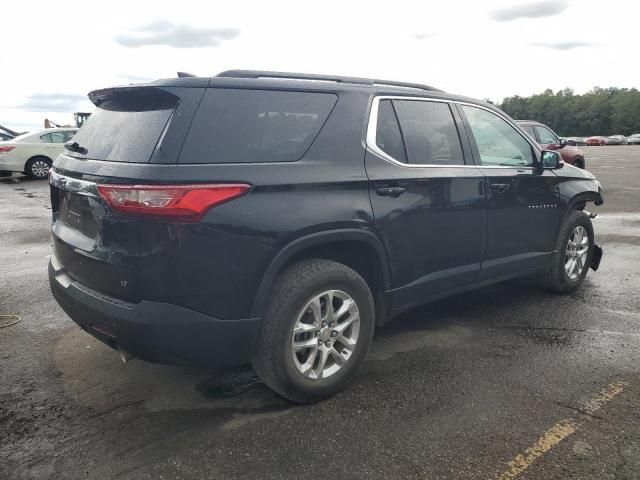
{"x":54,"y":53}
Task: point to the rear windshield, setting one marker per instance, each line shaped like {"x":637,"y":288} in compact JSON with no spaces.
{"x":249,"y":126}
{"x":125,"y":127}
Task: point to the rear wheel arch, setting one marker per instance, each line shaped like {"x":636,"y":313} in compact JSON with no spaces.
{"x":33,"y":159}
{"x":360,"y":250}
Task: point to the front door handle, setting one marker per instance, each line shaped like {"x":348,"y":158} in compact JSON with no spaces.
{"x":393,"y":192}
{"x":500,"y":187}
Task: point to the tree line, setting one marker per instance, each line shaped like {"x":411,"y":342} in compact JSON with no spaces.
{"x":601,"y":111}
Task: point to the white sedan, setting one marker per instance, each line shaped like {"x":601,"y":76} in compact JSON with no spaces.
{"x":33,"y":153}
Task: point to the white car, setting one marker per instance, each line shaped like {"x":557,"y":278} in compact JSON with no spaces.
{"x":33,"y":153}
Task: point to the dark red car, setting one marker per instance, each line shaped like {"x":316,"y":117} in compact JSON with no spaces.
{"x":548,"y":139}
{"x":597,"y":141}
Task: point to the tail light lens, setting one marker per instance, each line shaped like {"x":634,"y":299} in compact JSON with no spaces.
{"x":6,"y":149}
{"x":186,"y":203}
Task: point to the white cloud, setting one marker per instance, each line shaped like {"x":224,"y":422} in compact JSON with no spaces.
{"x":163,"y":32}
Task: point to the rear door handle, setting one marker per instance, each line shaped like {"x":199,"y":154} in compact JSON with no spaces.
{"x":392,"y":192}
{"x":500,"y":187}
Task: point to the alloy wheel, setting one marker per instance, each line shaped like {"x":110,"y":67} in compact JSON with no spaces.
{"x":325,"y":334}
{"x":576,"y":252}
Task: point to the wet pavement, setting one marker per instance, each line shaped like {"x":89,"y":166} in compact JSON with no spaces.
{"x":509,"y":381}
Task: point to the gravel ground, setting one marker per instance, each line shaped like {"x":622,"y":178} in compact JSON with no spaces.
{"x":504,"y":382}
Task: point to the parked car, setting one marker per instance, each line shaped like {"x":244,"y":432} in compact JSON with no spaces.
{"x":576,"y":141}
{"x":279,"y":218}
{"x":634,"y":139}
{"x":33,"y":153}
{"x":616,"y":140}
{"x":596,"y":141}
{"x":548,"y":139}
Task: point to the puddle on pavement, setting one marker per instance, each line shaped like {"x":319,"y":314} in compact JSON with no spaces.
{"x":389,"y":343}
{"x":93,"y":376}
{"x":232,"y":382}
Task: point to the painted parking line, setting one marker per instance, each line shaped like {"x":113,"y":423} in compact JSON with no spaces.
{"x":560,"y":431}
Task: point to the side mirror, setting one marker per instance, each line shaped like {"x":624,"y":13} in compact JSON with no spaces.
{"x":563,"y":142}
{"x":551,"y":160}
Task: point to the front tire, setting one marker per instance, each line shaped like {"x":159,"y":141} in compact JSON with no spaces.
{"x":37,"y":167}
{"x":316,"y":332}
{"x":572,"y":258}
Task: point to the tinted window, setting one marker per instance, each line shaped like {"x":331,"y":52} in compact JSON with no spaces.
{"x":388,"y":137}
{"x":498,"y":142}
{"x":121,"y":136}
{"x":430,"y":133}
{"x":546,"y":135}
{"x":240,"y":126}
{"x":46,"y":138}
{"x":59,"y":137}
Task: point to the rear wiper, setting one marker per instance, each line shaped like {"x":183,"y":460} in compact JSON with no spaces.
{"x":75,"y":147}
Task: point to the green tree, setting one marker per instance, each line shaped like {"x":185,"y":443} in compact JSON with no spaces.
{"x":601,"y":111}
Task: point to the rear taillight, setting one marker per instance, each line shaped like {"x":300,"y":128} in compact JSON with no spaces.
{"x":6,"y":149}
{"x":185,"y":203}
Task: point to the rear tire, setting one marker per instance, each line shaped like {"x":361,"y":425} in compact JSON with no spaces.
{"x":569,"y":265}
{"x":38,"y":167}
{"x":306,"y":296}
{"x":579,"y":162}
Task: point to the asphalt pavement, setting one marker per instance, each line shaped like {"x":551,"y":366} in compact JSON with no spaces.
{"x":509,"y":381}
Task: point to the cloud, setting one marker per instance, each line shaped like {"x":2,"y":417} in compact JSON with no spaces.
{"x":547,"y":8}
{"x":54,"y":102}
{"x":422,"y":36}
{"x":179,"y":36}
{"x":562,"y":45}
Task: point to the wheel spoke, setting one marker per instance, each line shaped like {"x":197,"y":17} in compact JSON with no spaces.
{"x":305,"y":328}
{"x":348,"y":343}
{"x":324,"y":355}
{"x":350,"y":320}
{"x":337,"y":356}
{"x":344,"y":308}
{"x":305,"y":344}
{"x":316,"y":311}
{"x":569,"y":266}
{"x":307,"y":366}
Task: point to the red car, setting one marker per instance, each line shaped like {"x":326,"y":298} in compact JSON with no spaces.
{"x":596,"y":141}
{"x":548,"y":140}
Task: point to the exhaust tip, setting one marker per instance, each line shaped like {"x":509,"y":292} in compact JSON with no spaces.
{"x":124,"y":356}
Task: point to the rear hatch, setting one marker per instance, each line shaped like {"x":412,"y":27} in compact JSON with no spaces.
{"x":93,"y":244}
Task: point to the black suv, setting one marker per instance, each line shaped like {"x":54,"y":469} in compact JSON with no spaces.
{"x":278,"y":218}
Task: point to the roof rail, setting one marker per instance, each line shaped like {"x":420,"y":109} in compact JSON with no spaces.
{"x":185,"y":75}
{"x":321,"y":78}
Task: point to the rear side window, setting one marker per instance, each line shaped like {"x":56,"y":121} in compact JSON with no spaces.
{"x":430,"y":132}
{"x":388,"y":137}
{"x":127,"y":124}
{"x":254,"y":126}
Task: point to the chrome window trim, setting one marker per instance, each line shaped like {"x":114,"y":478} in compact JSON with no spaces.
{"x":372,"y":128}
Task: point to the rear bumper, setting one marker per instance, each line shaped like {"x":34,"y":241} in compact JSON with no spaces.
{"x":153,"y":331}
